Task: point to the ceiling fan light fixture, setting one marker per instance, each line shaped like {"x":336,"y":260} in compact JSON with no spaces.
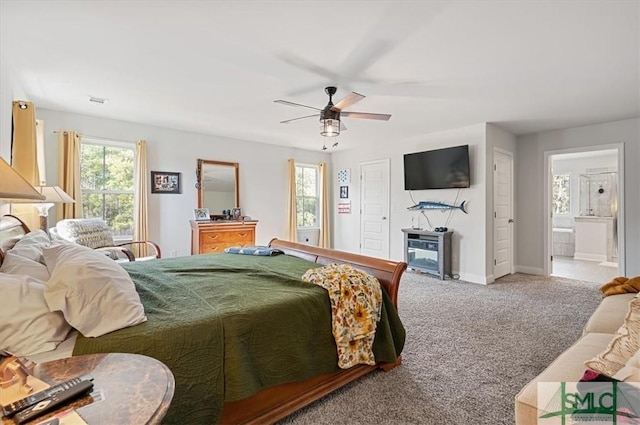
{"x":330,"y":127}
{"x":330,"y":124}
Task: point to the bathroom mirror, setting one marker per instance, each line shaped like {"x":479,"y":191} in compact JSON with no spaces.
{"x":217,"y":184}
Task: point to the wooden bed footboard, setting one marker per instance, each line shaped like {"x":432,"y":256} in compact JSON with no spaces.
{"x":272,"y":404}
{"x":386,"y":271}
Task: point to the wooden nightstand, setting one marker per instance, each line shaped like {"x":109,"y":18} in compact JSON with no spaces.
{"x":137,"y":389}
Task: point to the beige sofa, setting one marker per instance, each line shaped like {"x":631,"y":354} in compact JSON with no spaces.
{"x":569,"y":366}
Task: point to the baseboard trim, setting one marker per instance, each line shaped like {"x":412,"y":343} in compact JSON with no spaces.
{"x":474,"y":278}
{"x":589,"y":257}
{"x":530,"y":270}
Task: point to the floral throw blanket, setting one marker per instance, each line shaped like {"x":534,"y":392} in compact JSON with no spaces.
{"x":356,"y":303}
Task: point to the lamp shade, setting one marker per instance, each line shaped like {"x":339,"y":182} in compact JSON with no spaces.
{"x":53,"y":195}
{"x":330,"y":127}
{"x":14,"y":188}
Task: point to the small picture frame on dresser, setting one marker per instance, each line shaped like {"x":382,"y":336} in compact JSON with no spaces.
{"x":201,"y":214}
{"x":236,"y":213}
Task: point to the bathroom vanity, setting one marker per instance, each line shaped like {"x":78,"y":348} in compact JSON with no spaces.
{"x":595,"y":239}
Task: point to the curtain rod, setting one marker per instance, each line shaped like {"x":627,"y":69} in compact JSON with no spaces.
{"x":100,"y":138}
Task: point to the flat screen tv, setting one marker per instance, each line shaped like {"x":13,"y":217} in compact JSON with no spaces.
{"x":437,"y":169}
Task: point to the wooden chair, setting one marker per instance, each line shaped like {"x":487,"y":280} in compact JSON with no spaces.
{"x":96,"y":234}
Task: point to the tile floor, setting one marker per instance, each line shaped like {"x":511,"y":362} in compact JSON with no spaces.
{"x":590,"y":271}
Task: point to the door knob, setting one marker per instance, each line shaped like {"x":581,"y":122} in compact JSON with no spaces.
{"x":384,"y":218}
{"x":510,"y":220}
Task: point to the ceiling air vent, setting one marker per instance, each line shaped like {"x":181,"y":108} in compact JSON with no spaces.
{"x":97,"y":100}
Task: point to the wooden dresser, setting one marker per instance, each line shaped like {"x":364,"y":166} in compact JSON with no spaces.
{"x":215,"y":236}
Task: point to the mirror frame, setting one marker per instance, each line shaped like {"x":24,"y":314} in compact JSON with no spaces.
{"x":199,"y":165}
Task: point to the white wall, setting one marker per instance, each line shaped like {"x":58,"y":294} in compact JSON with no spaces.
{"x":263,"y":173}
{"x":265,"y":166}
{"x":530,"y":191}
{"x":468,"y":246}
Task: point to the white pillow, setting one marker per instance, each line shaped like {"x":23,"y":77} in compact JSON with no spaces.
{"x":95,"y":294}
{"x":27,"y":326}
{"x":623,"y":346}
{"x":631,"y":371}
{"x":90,"y":232}
{"x":15,"y":264}
{"x":31,"y":245}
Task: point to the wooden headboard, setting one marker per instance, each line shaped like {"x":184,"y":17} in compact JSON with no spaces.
{"x":11,"y":230}
{"x":386,"y":271}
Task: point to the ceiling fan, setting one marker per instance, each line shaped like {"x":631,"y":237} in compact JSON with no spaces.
{"x":330,"y":123}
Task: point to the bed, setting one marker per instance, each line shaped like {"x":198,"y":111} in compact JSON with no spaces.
{"x":231,"y":366}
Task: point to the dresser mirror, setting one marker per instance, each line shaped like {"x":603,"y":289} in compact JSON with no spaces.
{"x":217,"y":184}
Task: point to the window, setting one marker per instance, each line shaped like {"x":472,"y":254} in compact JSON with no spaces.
{"x":561,"y":193}
{"x":307,"y":195}
{"x":106,"y":182}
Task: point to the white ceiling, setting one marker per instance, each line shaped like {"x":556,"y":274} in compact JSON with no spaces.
{"x":215,"y":67}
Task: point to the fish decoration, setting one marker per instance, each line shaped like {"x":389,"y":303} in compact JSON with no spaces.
{"x":430,"y":205}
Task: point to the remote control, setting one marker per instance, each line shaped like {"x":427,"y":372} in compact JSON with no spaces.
{"x":19,"y":405}
{"x":53,"y":401}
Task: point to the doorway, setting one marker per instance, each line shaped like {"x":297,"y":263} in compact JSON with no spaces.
{"x":585,"y":221}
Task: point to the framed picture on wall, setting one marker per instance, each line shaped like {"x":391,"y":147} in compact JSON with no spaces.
{"x":344,"y":192}
{"x":165,"y":182}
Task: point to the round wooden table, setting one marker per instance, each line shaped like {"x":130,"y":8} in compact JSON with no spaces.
{"x":135,"y":389}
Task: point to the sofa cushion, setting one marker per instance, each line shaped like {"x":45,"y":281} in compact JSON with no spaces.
{"x":623,"y":346}
{"x":568,"y":367}
{"x":609,"y":315}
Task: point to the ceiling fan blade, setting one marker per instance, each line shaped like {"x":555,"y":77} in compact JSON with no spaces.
{"x":382,"y":117}
{"x":395,"y":25}
{"x":301,"y":63}
{"x":299,"y":118}
{"x":286,"y":102}
{"x":311,"y":88}
{"x":347,"y":101}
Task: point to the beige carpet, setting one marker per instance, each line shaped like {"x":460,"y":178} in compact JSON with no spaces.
{"x":470,"y":348}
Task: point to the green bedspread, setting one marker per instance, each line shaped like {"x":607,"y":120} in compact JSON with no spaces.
{"x":229,"y":325}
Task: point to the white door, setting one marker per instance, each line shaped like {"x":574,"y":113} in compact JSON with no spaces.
{"x":503,"y":213}
{"x":374,"y":208}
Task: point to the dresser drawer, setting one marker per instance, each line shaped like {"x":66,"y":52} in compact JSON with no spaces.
{"x":212,"y":237}
{"x":219,"y":247}
{"x":226,"y":236}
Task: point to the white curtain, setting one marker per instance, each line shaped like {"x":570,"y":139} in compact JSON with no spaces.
{"x":292,"y":217}
{"x":140,"y":219}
